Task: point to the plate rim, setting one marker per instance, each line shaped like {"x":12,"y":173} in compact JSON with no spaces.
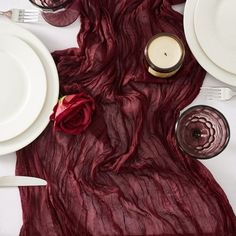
{"x":199,"y":54}
{"x":209,"y":49}
{"x":42,"y":120}
{"x":36,"y":99}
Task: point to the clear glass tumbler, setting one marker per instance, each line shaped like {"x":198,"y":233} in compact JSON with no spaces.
{"x":202,"y":132}
{"x":57,"y":12}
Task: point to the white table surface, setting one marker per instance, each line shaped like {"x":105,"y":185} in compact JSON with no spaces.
{"x":222,"y":167}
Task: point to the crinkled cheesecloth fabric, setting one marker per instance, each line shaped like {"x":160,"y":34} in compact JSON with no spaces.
{"x":125,"y":174}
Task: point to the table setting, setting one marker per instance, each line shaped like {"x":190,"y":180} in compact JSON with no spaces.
{"x":118,"y":117}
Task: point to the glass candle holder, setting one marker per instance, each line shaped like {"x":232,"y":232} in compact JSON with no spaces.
{"x":164,"y":55}
{"x":202,"y":132}
{"x":57,"y":12}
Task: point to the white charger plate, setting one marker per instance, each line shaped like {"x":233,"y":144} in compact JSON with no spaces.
{"x":23,"y":139}
{"x":198,"y":52}
{"x":22,"y":86}
{"x":214,"y":23}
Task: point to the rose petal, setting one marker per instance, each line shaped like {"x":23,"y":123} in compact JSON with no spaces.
{"x":73,"y":113}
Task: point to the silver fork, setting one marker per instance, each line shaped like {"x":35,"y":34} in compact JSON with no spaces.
{"x":217,"y":93}
{"x":22,"y":15}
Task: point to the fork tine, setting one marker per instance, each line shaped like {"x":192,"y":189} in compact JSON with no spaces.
{"x":211,"y":92}
{"x":28,"y":17}
{"x":210,"y":89}
{"x":206,"y":87}
{"x":29,"y":14}
{"x":29,"y":10}
{"x":28,"y":20}
{"x":211,"y":95}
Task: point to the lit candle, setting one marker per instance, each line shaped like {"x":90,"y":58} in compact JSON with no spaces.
{"x":164,"y":55}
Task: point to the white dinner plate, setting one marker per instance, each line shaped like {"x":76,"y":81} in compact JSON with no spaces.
{"x":197,"y":51}
{"x":22,"y":86}
{"x":214,"y":23}
{"x":18,"y":142}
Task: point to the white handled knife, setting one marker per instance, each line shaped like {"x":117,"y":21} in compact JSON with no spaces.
{"x":13,"y":181}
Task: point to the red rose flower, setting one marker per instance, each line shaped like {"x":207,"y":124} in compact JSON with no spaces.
{"x":73,"y":113}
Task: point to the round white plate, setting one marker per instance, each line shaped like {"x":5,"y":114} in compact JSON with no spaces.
{"x":22,"y":86}
{"x":18,"y":142}
{"x":214,"y":23}
{"x":197,"y":51}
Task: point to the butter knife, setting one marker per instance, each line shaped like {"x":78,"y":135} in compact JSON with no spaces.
{"x":14,"y":181}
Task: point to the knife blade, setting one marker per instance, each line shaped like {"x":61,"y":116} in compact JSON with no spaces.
{"x":14,"y":181}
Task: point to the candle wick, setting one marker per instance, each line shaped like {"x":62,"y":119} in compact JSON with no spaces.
{"x":165,"y":54}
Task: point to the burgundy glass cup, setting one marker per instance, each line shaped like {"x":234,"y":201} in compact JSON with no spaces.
{"x":57,"y":12}
{"x":202,"y":132}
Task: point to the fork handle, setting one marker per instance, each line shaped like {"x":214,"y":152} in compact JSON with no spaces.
{"x":6,"y":13}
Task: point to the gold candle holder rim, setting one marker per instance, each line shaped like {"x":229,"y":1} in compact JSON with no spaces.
{"x":169,"y":69}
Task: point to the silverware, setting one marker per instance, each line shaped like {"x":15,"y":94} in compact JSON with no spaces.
{"x":22,"y":15}
{"x":13,"y":181}
{"x":217,"y":93}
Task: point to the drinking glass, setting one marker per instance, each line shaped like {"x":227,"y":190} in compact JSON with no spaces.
{"x":57,"y":12}
{"x":202,"y":132}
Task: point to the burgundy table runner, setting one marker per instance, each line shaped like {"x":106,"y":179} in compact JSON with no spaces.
{"x":124,"y":175}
